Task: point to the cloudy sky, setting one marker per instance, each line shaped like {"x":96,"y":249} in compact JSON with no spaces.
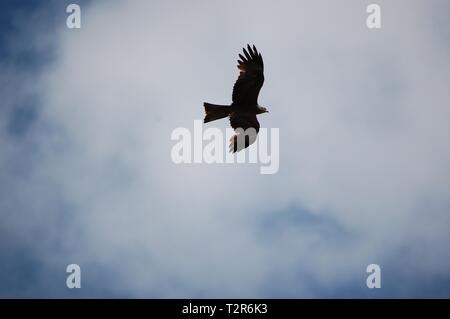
{"x":86,"y":175}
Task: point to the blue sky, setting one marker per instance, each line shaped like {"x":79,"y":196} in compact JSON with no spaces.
{"x":86,"y":175}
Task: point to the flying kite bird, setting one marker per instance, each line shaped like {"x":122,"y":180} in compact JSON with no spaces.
{"x":244,"y":108}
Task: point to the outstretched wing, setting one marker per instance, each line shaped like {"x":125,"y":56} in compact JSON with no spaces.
{"x":251,"y":78}
{"x":246,"y":127}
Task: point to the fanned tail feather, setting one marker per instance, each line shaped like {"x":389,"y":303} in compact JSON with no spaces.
{"x":215,"y":112}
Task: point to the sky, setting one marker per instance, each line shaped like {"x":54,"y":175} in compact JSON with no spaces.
{"x":86,"y":176}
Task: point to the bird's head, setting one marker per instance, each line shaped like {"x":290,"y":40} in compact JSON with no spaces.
{"x":262,"y":109}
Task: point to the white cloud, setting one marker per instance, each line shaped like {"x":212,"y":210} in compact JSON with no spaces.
{"x":364,"y":144}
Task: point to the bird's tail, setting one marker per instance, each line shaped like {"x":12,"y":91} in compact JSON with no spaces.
{"x":215,"y":112}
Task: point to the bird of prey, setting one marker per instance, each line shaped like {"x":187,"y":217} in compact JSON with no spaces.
{"x":244,"y":108}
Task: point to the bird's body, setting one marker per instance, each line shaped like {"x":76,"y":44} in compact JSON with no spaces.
{"x":242,"y":112}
